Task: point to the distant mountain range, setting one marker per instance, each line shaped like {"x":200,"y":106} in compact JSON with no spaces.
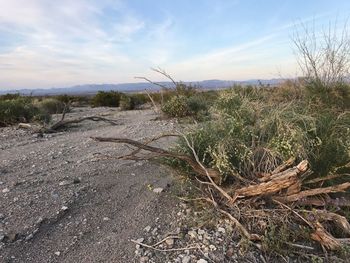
{"x":135,"y":87}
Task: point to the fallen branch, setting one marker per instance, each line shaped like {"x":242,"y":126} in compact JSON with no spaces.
{"x":159,"y":152}
{"x":313,"y":192}
{"x":324,"y":238}
{"x":63,"y":123}
{"x":338,"y":220}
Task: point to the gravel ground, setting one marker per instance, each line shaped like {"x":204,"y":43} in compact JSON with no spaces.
{"x":62,"y":199}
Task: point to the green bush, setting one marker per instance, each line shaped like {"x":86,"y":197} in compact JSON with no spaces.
{"x":20,"y":110}
{"x":177,"y":106}
{"x":51,"y":106}
{"x":106,"y":99}
{"x":10,"y":96}
{"x":248,"y":136}
{"x":126,"y":102}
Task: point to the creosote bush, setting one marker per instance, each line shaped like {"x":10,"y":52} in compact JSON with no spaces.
{"x":51,"y":106}
{"x":20,"y":109}
{"x":106,"y":99}
{"x":248,"y":136}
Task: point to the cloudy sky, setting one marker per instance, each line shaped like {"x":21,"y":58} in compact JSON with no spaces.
{"x":47,"y":43}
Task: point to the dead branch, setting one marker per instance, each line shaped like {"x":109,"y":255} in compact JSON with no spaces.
{"x":206,"y":170}
{"x":212,"y":173}
{"x":313,"y":192}
{"x":278,"y":182}
{"x":64,"y":123}
{"x":165,"y":74}
{"x":241,"y":228}
{"x":324,"y":238}
{"x":155,"y":107}
{"x":338,"y":220}
{"x":322,"y":179}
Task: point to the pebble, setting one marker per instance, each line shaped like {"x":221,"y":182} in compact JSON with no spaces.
{"x":202,"y":261}
{"x":64,"y":208}
{"x":221,"y":230}
{"x":144,"y":259}
{"x":57,"y":253}
{"x":192,"y":234}
{"x":186,"y":259}
{"x":5,"y":190}
{"x":147,"y":228}
{"x":158,"y":190}
{"x":201,"y":232}
{"x":169,"y":242}
{"x":106,"y":219}
{"x":63,"y":183}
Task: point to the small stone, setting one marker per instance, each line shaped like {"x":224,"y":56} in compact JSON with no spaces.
{"x":201,"y":232}
{"x":106,"y":219}
{"x":154,"y":231}
{"x":230,"y":252}
{"x":212,"y":247}
{"x":221,"y":230}
{"x":147,"y":228}
{"x":140,"y":240}
{"x":144,"y":259}
{"x":169,"y":242}
{"x":5,"y":190}
{"x":63,"y":183}
{"x":158,"y":190}
{"x":186,"y":259}
{"x":202,"y":261}
{"x":192,"y":234}
{"x":64,"y":208}
{"x":29,"y":237}
{"x":57,"y":253}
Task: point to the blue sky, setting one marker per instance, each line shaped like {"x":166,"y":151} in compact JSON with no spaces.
{"x":46,"y":43}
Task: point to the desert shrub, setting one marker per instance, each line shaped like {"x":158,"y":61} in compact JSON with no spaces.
{"x":106,"y":99}
{"x":249,"y":137}
{"x":177,"y":106}
{"x":51,"y":106}
{"x":20,"y":110}
{"x":126,"y":102}
{"x":337,"y":96}
{"x":197,"y":105}
{"x":10,"y":96}
{"x":139,"y":98}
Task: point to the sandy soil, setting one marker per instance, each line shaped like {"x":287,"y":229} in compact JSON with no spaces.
{"x":63,"y":200}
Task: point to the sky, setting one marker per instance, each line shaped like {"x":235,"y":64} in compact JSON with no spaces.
{"x":47,"y":43}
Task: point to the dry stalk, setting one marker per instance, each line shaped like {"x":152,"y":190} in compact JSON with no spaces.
{"x":165,"y":250}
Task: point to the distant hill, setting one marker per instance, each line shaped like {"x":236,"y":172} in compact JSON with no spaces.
{"x":135,"y":87}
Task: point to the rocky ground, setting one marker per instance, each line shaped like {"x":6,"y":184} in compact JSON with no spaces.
{"x":65,"y":198}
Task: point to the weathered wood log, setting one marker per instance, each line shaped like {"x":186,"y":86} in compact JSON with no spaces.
{"x":278,"y":170}
{"x":278,"y":182}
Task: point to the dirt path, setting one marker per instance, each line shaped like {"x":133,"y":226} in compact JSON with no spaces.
{"x":61,"y":200}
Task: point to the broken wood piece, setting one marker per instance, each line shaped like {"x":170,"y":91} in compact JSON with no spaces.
{"x":324,"y":238}
{"x":278,"y":182}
